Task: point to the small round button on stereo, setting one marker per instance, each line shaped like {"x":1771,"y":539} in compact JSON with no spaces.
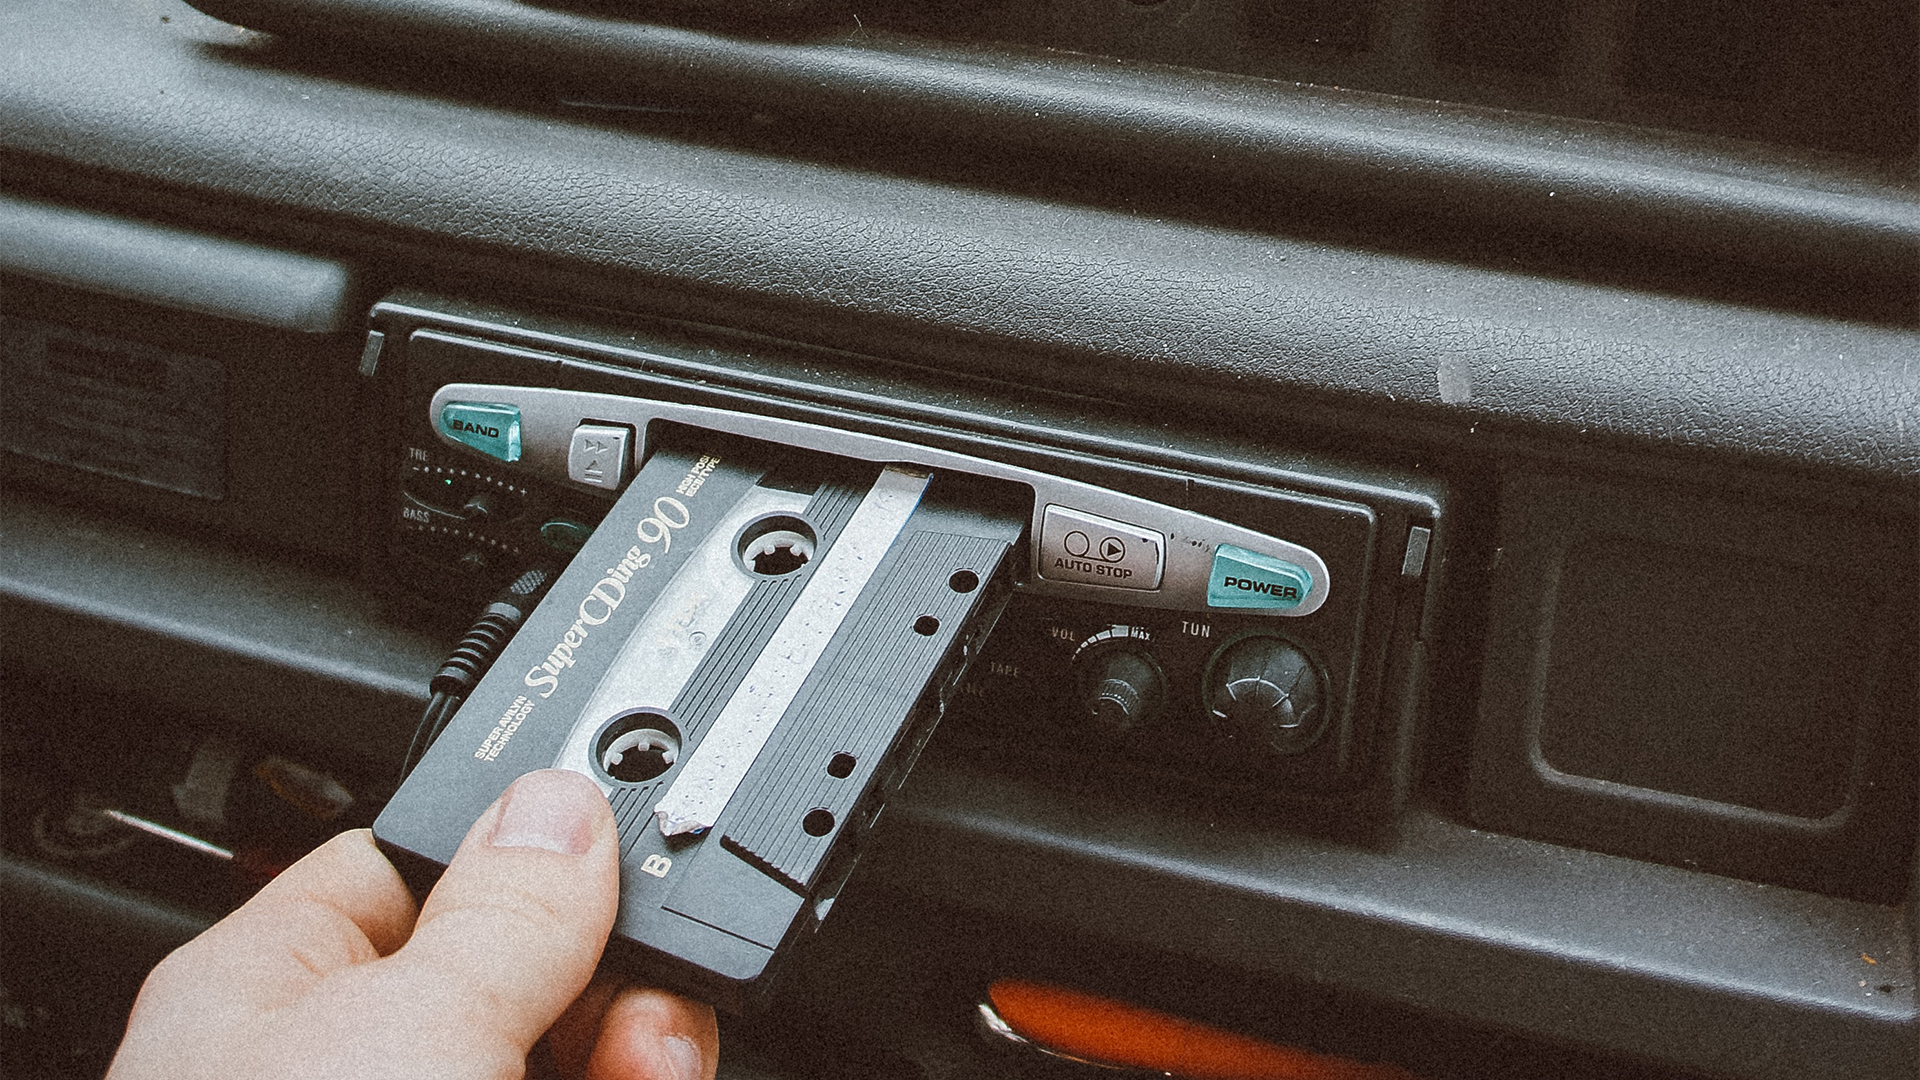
{"x":1266,"y":690}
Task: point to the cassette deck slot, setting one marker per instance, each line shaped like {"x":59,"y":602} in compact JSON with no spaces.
{"x":1193,"y":560}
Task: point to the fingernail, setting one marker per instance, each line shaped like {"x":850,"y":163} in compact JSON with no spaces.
{"x":552,"y":810}
{"x":683,"y":1058}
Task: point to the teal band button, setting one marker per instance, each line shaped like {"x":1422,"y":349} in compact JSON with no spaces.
{"x":1248,"y":579}
{"x":491,"y":429}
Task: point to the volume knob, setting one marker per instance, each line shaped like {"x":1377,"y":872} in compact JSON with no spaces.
{"x":1121,"y":688}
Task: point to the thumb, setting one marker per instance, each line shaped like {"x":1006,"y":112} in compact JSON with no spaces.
{"x":514,"y":929}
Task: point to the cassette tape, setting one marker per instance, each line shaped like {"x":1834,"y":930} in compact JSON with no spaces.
{"x":747,"y":655}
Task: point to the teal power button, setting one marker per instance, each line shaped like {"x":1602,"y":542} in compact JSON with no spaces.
{"x":490,"y":429}
{"x":1248,"y":579}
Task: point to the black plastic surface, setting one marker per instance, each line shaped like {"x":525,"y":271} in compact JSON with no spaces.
{"x":208,"y":631}
{"x":72,"y":959}
{"x":1716,"y":683}
{"x":1425,"y":160}
{"x":174,"y":268}
{"x":217,"y":425}
{"x":1695,"y":970}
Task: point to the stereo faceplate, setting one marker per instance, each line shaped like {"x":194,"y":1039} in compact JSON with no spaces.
{"x":1200,"y":670}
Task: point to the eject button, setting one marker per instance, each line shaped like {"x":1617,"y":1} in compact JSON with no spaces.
{"x":598,"y":455}
{"x":1081,"y":547}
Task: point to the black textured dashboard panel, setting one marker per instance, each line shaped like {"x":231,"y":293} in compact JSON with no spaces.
{"x":247,"y":641}
{"x":1425,"y":159}
{"x":1098,"y":301}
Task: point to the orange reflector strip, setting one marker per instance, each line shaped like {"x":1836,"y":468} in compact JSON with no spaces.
{"x":1115,"y":1033}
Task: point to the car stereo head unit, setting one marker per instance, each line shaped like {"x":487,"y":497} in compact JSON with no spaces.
{"x":1161,"y":617}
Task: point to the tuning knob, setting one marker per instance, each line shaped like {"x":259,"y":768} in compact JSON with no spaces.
{"x":1265,"y":690}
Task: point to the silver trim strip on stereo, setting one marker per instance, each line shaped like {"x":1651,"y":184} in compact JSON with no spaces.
{"x":548,"y":419}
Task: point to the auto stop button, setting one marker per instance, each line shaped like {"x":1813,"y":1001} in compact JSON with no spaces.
{"x":1248,"y":579}
{"x":1091,"y":550}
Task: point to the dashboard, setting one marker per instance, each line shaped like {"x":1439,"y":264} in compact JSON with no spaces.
{"x":1568,"y":353}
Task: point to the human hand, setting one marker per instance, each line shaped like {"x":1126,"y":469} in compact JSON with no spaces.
{"x":329,"y":972}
